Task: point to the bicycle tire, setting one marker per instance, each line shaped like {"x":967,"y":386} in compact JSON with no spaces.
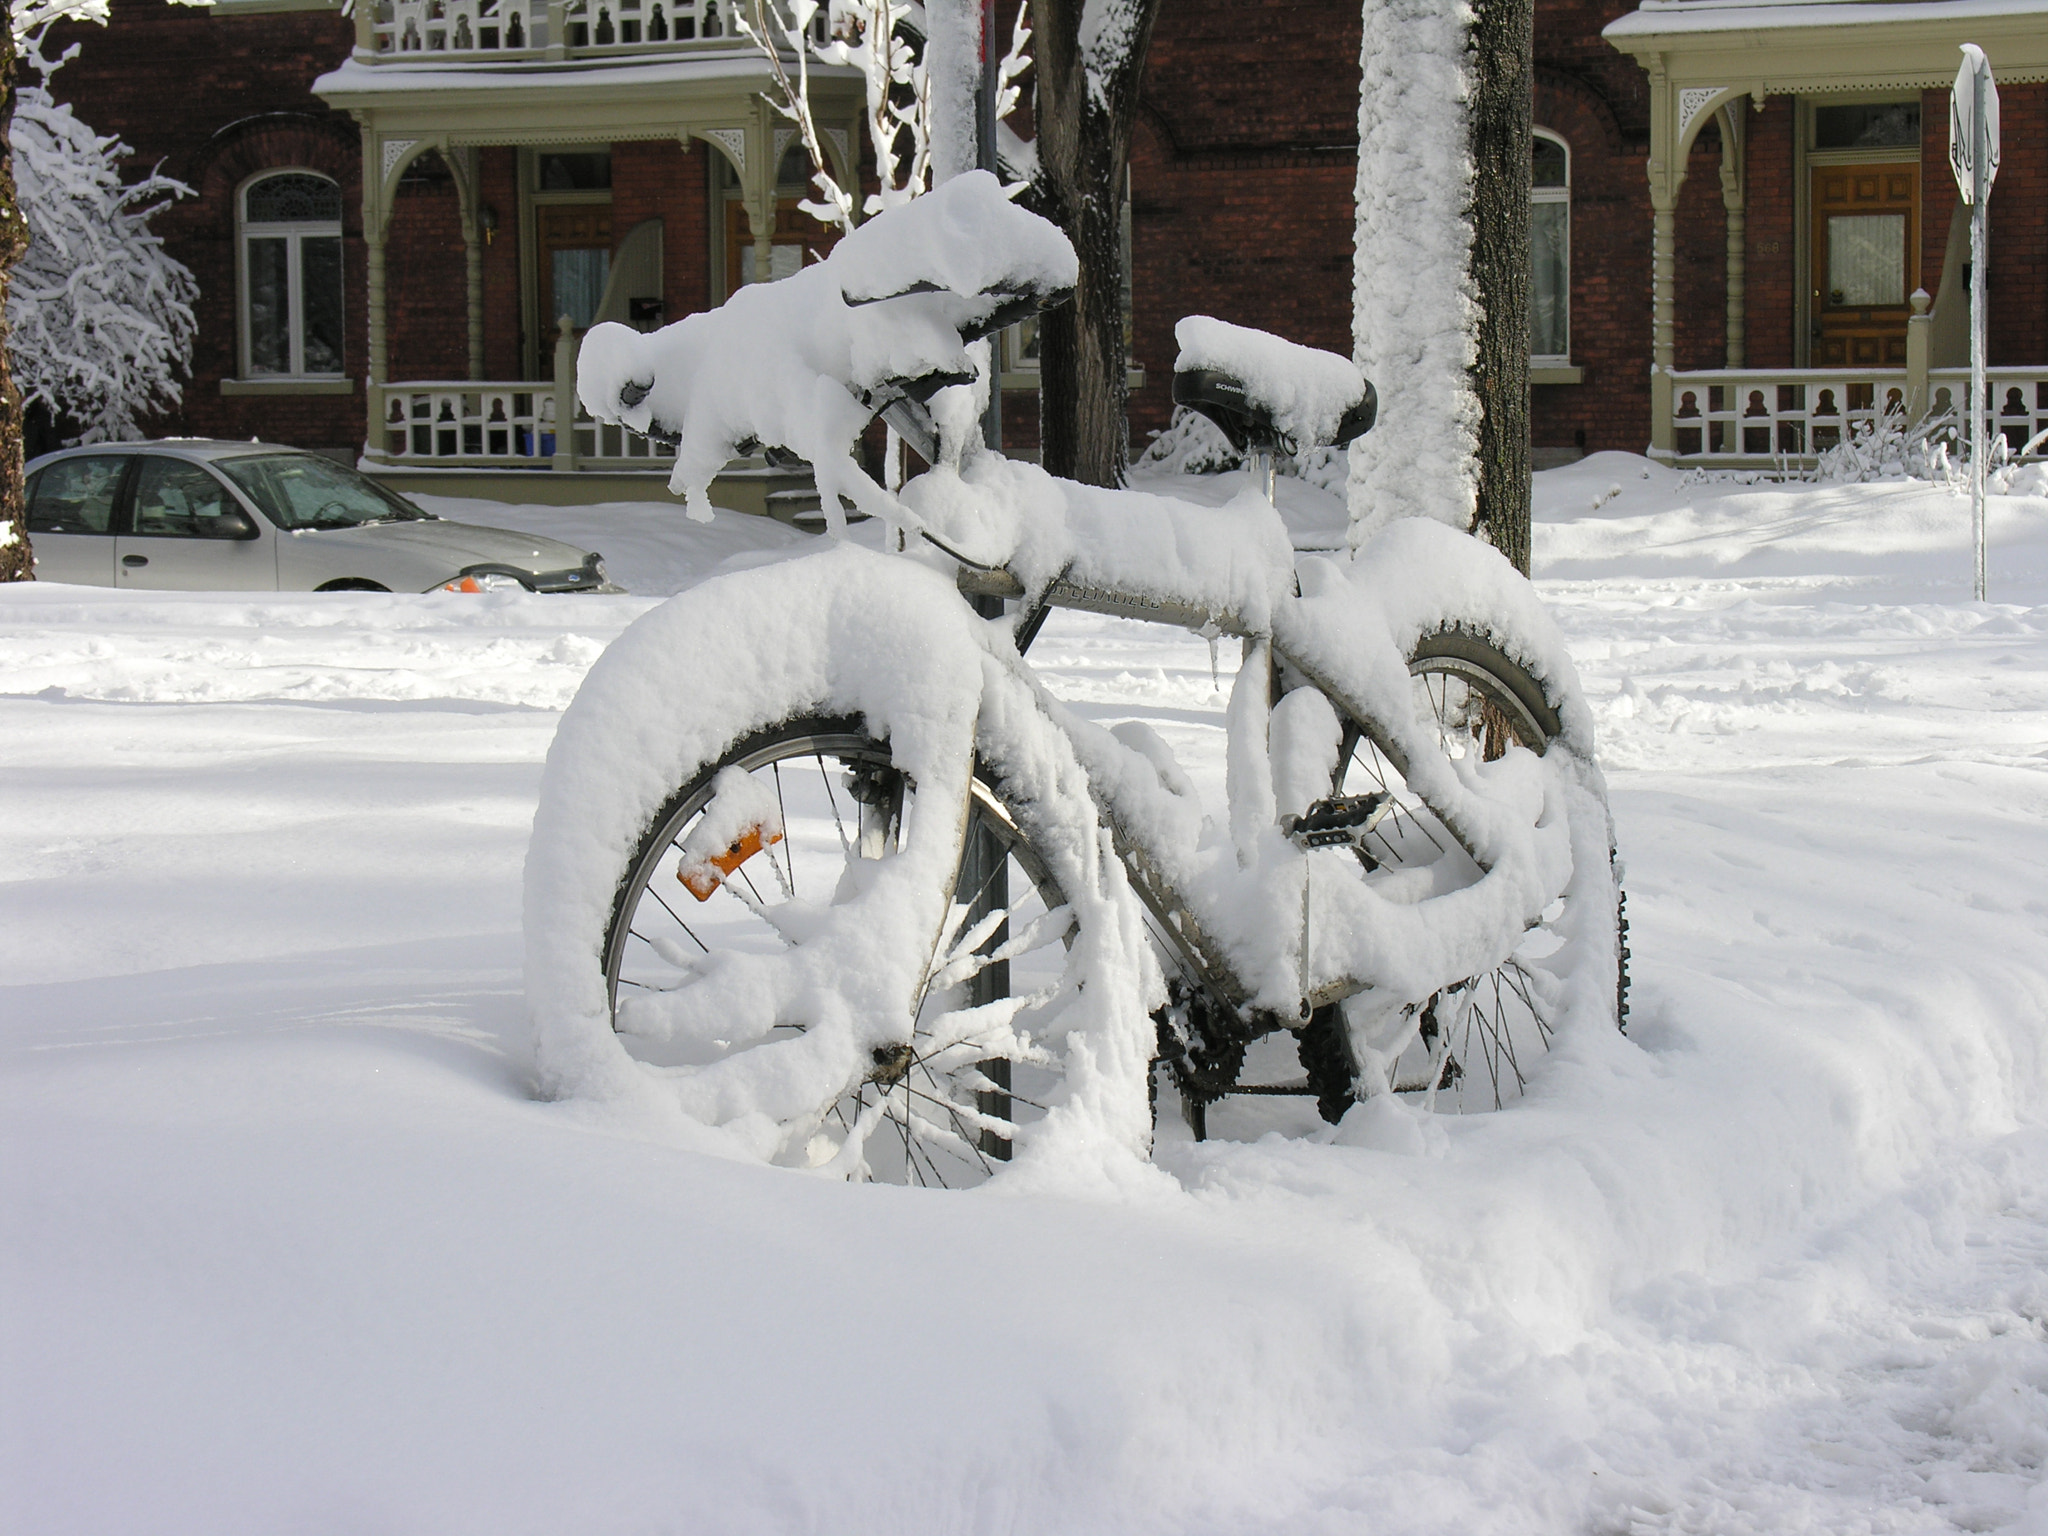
{"x":941,"y":1104}
{"x":1471,"y":1045}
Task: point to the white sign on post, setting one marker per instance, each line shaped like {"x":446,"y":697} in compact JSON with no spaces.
{"x":1973,"y":156}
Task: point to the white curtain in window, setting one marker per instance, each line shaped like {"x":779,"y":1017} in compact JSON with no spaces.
{"x":1867,"y":258}
{"x":579,"y":284}
{"x":1549,"y":279}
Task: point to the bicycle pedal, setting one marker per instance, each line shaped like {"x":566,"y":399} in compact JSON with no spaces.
{"x":1339,"y":821}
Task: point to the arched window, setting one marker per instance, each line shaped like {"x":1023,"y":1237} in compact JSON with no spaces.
{"x":1550,"y":249}
{"x":291,"y":277}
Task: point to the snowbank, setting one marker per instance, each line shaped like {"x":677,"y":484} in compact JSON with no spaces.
{"x":292,"y":1244}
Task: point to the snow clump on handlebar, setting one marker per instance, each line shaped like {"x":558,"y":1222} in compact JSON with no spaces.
{"x":805,"y":363}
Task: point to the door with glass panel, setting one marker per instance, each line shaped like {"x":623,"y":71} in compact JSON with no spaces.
{"x":575,"y":241}
{"x":1866,"y":244}
{"x":71,"y":506}
{"x":186,"y":532}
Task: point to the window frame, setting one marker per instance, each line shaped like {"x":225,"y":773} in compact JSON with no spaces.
{"x":1562,"y":195}
{"x":247,"y":230}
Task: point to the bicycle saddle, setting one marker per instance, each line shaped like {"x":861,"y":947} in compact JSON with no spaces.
{"x":1267,"y":393}
{"x":1248,"y":421}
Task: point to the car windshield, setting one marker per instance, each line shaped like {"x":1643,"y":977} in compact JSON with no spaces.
{"x":302,"y":490}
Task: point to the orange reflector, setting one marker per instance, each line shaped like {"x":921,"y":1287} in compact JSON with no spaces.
{"x":700,"y":880}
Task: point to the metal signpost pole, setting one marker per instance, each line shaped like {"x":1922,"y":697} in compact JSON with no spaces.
{"x":1973,"y":156}
{"x":989,"y":88}
{"x":1978,"y":436}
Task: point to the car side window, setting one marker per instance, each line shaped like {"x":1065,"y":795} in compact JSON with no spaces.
{"x":177,"y":500}
{"x":77,"y":495}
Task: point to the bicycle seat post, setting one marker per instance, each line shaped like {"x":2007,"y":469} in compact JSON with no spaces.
{"x":1262,"y":473}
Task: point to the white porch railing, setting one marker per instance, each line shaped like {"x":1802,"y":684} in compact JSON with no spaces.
{"x":476,"y":425}
{"x":407,"y":28}
{"x":1755,"y":416}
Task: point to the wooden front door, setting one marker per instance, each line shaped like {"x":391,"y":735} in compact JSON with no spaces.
{"x":1866,"y":247}
{"x":575,"y":244}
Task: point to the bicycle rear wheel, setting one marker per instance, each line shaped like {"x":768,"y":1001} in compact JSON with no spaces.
{"x":1472,"y":1045}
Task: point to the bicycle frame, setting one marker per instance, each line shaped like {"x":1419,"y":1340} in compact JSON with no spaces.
{"x":1177,"y":923}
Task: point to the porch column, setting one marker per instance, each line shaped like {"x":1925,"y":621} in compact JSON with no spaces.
{"x":565,"y":395}
{"x":473,"y":263}
{"x":1666,"y":170}
{"x":761,"y":199}
{"x":1663,"y":327}
{"x":466,"y":165}
{"x":380,"y":347}
{"x":1919,"y":338}
{"x":373,"y":243}
{"x":1735,"y":199}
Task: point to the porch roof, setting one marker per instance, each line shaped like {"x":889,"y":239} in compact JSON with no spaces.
{"x":624,"y":91}
{"x":1785,"y":46}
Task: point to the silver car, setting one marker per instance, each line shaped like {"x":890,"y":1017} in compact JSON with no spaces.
{"x":193,"y":515}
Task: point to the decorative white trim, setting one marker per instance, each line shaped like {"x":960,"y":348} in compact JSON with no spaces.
{"x":734,"y":141}
{"x":838,"y":138}
{"x":1692,"y":99}
{"x":782,"y":138}
{"x":395,"y":150}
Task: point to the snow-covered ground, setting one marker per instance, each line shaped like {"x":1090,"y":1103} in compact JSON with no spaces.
{"x":286,"y":1245}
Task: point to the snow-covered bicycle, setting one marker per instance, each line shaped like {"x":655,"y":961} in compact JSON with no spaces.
{"x":821,"y":863}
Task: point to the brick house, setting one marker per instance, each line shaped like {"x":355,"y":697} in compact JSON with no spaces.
{"x":1737,"y":210}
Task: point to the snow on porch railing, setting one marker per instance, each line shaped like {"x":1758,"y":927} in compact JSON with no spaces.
{"x":403,"y":27}
{"x":1754,"y":413}
{"x":1757,"y":415}
{"x":2015,"y":402}
{"x":498,"y":426}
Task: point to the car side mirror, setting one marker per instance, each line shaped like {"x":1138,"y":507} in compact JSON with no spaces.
{"x":232,"y":524}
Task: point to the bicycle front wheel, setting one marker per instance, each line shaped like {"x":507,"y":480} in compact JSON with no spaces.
{"x":799,"y":820}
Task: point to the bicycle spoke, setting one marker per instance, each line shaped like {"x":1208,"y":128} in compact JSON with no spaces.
{"x":788,"y":842}
{"x":677,"y":917}
{"x":833,"y":801}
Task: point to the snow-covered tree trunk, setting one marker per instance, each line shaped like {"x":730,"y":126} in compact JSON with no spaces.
{"x":1415,"y":305}
{"x":1089,"y":56}
{"x":1440,"y":275}
{"x":17,"y":562}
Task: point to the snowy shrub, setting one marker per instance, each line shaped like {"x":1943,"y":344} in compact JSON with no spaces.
{"x":1194,"y":445}
{"x":1889,"y":450}
{"x":100,"y":322}
{"x":1191,"y":445}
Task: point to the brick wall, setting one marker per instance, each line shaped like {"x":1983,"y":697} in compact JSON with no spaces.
{"x":1772,"y":270}
{"x":217,"y":100}
{"x":426,"y":282}
{"x":2017,"y":283}
{"x":1242,"y":172}
{"x":1256,"y":239}
{"x":1241,"y":180}
{"x":504,"y":338}
{"x":1610,"y":267}
{"x":666,"y":180}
